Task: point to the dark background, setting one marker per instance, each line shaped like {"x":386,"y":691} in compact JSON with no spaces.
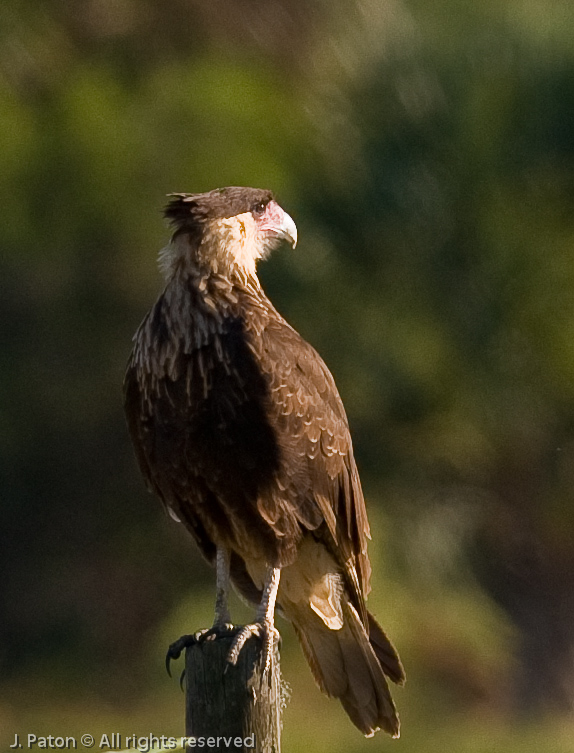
{"x":426,"y":153}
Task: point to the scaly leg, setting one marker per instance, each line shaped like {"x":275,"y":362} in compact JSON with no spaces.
{"x":264,"y":626}
{"x":222,"y":621}
{"x":222,"y":616}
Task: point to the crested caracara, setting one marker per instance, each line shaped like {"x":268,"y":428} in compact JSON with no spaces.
{"x":240,"y":431}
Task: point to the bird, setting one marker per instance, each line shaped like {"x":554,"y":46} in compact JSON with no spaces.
{"x":239,"y":429}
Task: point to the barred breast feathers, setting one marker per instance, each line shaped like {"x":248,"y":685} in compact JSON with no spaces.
{"x":195,"y":310}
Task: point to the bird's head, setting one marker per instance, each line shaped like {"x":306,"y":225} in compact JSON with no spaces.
{"x":225,"y":231}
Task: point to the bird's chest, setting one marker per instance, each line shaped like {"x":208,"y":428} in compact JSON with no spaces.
{"x":214,"y":410}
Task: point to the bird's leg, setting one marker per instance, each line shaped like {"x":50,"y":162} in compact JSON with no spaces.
{"x":264,"y":625}
{"x":222,"y":621}
{"x":222,"y":616}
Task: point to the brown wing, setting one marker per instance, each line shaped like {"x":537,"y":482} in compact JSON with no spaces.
{"x":318,"y":478}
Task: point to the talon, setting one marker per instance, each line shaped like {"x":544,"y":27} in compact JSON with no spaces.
{"x":222,"y":630}
{"x":269,"y":635}
{"x":255,"y":629}
{"x":209,"y":634}
{"x":176,"y":648}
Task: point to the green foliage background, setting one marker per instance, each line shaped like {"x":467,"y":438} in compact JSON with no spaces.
{"x":426,"y":152}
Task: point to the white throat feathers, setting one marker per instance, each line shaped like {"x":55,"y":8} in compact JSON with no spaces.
{"x":230,"y":246}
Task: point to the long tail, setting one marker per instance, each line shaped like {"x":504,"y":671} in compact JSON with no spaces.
{"x":351,"y":665}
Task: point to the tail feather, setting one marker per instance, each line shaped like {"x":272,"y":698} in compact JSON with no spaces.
{"x":386,"y":653}
{"x":346,"y":666}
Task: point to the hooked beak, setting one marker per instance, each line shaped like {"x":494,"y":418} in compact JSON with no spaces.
{"x":288,"y":230}
{"x":278,"y":225}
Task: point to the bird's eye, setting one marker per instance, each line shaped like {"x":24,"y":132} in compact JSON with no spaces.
{"x":259,"y":208}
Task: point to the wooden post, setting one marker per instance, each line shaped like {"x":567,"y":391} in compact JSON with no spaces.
{"x":233,"y":708}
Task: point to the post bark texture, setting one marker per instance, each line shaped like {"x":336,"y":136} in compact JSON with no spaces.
{"x":225,"y":702}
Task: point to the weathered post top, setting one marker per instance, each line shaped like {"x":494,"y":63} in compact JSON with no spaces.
{"x":232,"y":708}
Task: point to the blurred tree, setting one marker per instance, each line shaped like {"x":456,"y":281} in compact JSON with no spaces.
{"x":455,"y":232}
